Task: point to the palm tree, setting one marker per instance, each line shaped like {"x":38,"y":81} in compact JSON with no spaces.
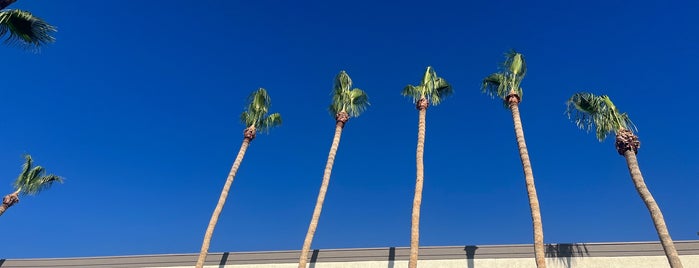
{"x":31,"y":181}
{"x":432,"y":89}
{"x":506,"y":85}
{"x":347,"y":102}
{"x":590,"y":110}
{"x":255,"y":119}
{"x":24,"y":29}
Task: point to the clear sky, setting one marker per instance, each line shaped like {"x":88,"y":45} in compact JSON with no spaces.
{"x":137,"y":106}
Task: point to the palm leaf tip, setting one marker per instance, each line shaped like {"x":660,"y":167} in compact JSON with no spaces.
{"x":23,"y":29}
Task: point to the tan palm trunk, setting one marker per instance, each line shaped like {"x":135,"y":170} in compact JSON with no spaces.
{"x":672,"y":257}
{"x":417,"y":200}
{"x":221,"y":202}
{"x":539,"y":251}
{"x":321,"y":196}
{"x":8,"y":201}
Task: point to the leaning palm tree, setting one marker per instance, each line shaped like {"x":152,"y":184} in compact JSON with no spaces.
{"x":432,"y":89}
{"x":506,"y":85}
{"x":346,"y":102}
{"x":255,"y":119}
{"x":23,"y":29}
{"x":588,"y":110}
{"x":31,"y":181}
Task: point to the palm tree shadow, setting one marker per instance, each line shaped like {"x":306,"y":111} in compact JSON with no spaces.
{"x":314,"y":258}
{"x":391,"y":257}
{"x":566,"y":253}
{"x":470,"y":255}
{"x":224,"y":260}
{"x":1,"y":262}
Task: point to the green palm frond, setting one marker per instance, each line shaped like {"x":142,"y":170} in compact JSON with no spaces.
{"x":588,"y":110}
{"x":509,"y":79}
{"x":353,"y":101}
{"x":514,"y":62}
{"x":495,"y":85}
{"x":24,"y":29}
{"x":271,"y":121}
{"x":256,"y":113}
{"x":413,"y":92}
{"x":432,"y":87}
{"x":33,"y":179}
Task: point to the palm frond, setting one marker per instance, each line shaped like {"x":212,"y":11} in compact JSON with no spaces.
{"x":358,"y":102}
{"x":508,"y":80}
{"x":32,"y":179}
{"x":346,"y":99}
{"x":432,"y":87}
{"x":581,"y":108}
{"x":271,"y":121}
{"x":414,"y":92}
{"x":255,"y":115}
{"x":25,"y":30}
{"x":343,"y":82}
{"x":515,"y":63}
{"x":495,"y":85}
{"x":26,"y":167}
{"x":442,"y":90}
{"x":588,"y":110}
{"x":40,"y":184}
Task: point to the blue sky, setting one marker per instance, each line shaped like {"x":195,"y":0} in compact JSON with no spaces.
{"x":137,"y":106}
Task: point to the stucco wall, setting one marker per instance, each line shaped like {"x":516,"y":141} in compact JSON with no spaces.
{"x":582,"y":255}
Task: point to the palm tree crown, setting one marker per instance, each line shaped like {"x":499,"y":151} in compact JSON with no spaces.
{"x":432,"y":88}
{"x":587,"y":109}
{"x":352,"y":101}
{"x":33,"y":179}
{"x":25,"y":30}
{"x":508,"y":81}
{"x":255,"y":116}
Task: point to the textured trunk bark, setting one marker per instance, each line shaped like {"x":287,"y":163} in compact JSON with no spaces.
{"x":5,"y":3}
{"x":8,"y":201}
{"x":672,"y":257}
{"x":539,"y":251}
{"x":417,"y":200}
{"x":321,"y":196}
{"x":221,"y":202}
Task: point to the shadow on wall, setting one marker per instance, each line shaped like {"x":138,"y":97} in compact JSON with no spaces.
{"x":314,"y":258}
{"x":470,"y":255}
{"x":224,"y":259}
{"x":391,"y":257}
{"x":566,"y":253}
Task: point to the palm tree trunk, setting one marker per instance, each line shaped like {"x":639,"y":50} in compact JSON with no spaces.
{"x":672,"y":257}
{"x":417,"y":200}
{"x":5,"y":3}
{"x":221,"y":202}
{"x":539,"y":252}
{"x":8,"y":201}
{"x":321,"y":196}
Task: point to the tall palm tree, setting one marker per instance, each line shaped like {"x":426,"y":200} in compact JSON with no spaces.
{"x":347,"y":102}
{"x":255,"y":119}
{"x":506,"y":85}
{"x":31,"y":181}
{"x":23,"y":29}
{"x":588,"y":110}
{"x":432,"y":89}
